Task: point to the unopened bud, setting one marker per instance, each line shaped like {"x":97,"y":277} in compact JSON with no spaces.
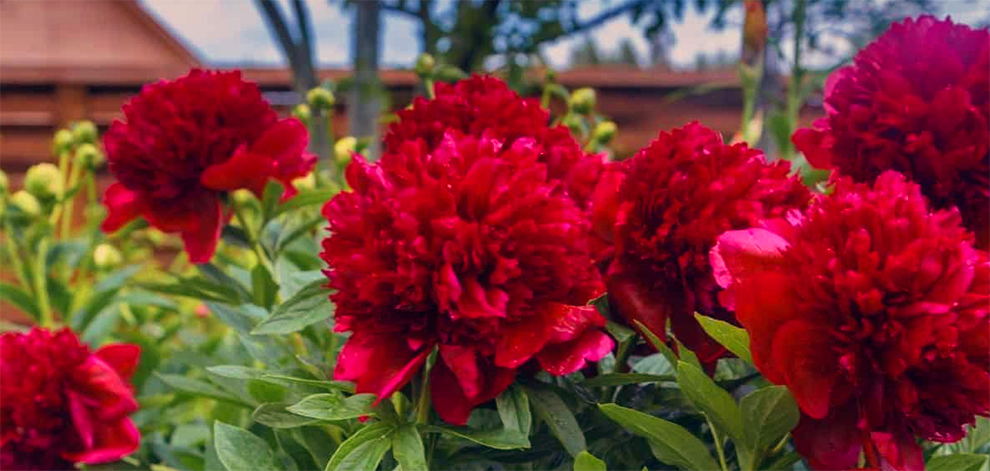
{"x":305,"y":183}
{"x":604,"y":132}
{"x":320,"y":99}
{"x":84,"y":132}
{"x":583,"y":100}
{"x":242,"y":196}
{"x":574,"y":123}
{"x":106,"y":256}
{"x":62,"y":142}
{"x":551,"y":75}
{"x":43,"y":181}
{"x":26,"y":203}
{"x":424,"y":65}
{"x":343,"y":149}
{"x":89,"y":156}
{"x":302,"y":113}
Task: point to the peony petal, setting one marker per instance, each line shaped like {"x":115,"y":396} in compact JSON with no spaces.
{"x":738,"y":254}
{"x":112,"y":442}
{"x":245,"y":169}
{"x":122,"y":357}
{"x":379,"y":364}
{"x":810,"y":142}
{"x":103,"y":389}
{"x":605,"y":202}
{"x":123,"y":206}
{"x":803,"y":353}
{"x":899,"y":450}
{"x":82,"y":420}
{"x":450,"y":400}
{"x":633,"y":300}
{"x":463,"y":363}
{"x":763,"y":304}
{"x":831,"y":443}
{"x":565,"y":358}
{"x":568,"y":322}
{"x":518,"y":341}
{"x":202,"y":231}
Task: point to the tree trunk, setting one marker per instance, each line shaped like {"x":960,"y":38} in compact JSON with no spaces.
{"x":364,"y":102}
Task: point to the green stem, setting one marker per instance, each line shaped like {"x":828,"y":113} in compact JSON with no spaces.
{"x":797,"y":76}
{"x":718,"y":445}
{"x":15,"y":257}
{"x":428,"y":83}
{"x":73,"y":182}
{"x":423,"y":401}
{"x":41,"y":286}
{"x":253,"y":239}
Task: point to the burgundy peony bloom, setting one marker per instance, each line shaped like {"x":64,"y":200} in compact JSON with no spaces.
{"x":62,"y":404}
{"x":468,"y":247}
{"x":663,"y":211}
{"x":873,"y":311}
{"x":486,"y":105}
{"x":916,"y":100}
{"x":187,"y":142}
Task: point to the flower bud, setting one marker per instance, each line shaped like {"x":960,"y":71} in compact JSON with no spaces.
{"x":320,"y":99}
{"x":305,"y":183}
{"x":302,"y":113}
{"x":551,"y":76}
{"x":26,"y":202}
{"x":62,"y":142}
{"x":44,"y":181}
{"x":343,"y":149}
{"x":84,"y":132}
{"x":242,"y":196}
{"x":424,"y":65}
{"x":89,"y":156}
{"x":583,"y":100}
{"x":4,"y":183}
{"x":575,"y":124}
{"x":604,"y":132}
{"x":105,"y":257}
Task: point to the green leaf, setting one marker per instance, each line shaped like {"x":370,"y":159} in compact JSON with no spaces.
{"x":269,"y":199}
{"x":513,"y":408}
{"x":585,"y":461}
{"x":407,"y":446}
{"x":378,"y":431}
{"x":309,"y":306}
{"x":304,"y":198}
{"x":334,"y":406}
{"x":658,"y":344}
{"x":199,"y":388}
{"x":558,"y":417}
{"x":331,"y":385}
{"x":240,"y":450}
{"x":264,"y":289}
{"x":713,"y":401}
{"x":671,"y":443}
{"x":734,"y":338}
{"x":620,"y":379}
{"x":238,"y":318}
{"x":768,"y":414}
{"x":959,"y":462}
{"x":366,"y":456}
{"x":498,"y":439}
{"x":274,"y":415}
{"x":687,"y":355}
{"x":222,"y":281}
{"x":19,"y":298}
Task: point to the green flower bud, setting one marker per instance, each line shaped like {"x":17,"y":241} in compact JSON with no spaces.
{"x":551,"y":76}
{"x":302,"y":113}
{"x":62,"y":142}
{"x":320,"y":99}
{"x":43,"y":181}
{"x":424,"y":65}
{"x":604,"y":132}
{"x":89,"y":156}
{"x":4,"y":183}
{"x":574,"y":123}
{"x":343,"y":149}
{"x":305,"y":183}
{"x":242,"y":196}
{"x":84,"y":132}
{"x":583,"y":100}
{"x":105,"y":257}
{"x":26,"y":202}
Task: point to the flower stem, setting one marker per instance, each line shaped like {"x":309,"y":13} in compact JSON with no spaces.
{"x":718,"y":445}
{"x":253,"y":239}
{"x":41,"y":285}
{"x":74,"y":175}
{"x":423,"y":401}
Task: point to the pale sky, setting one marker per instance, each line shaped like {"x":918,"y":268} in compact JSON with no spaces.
{"x":231,"y":32}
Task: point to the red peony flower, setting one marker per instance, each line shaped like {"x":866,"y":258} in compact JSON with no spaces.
{"x":916,"y":100}
{"x":874,"y":312}
{"x":62,"y":404}
{"x":187,"y":142}
{"x":468,"y":247}
{"x":663,"y":210}
{"x":486,"y":105}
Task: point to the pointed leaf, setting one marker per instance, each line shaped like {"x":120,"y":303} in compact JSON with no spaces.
{"x":736,"y":339}
{"x":407,"y":446}
{"x":240,"y":450}
{"x":334,"y":406}
{"x":671,"y":443}
{"x":712,"y":400}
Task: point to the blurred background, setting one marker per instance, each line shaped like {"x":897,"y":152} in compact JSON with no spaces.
{"x":655,"y":64}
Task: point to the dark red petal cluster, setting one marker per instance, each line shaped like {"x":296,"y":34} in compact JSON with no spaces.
{"x":62,"y":404}
{"x":466,"y":246}
{"x":663,"y":210}
{"x":486,"y":105}
{"x":873,"y":310}
{"x":916,"y":100}
{"x":186,"y":142}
